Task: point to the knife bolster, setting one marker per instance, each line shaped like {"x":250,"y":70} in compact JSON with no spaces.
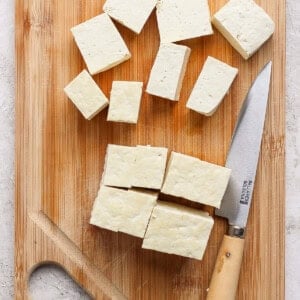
{"x":236,"y":231}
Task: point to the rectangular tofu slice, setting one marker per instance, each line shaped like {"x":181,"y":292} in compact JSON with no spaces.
{"x":86,"y":95}
{"x":211,"y":87}
{"x":149,"y":167}
{"x":195,"y":180}
{"x":123,"y":211}
{"x":179,"y":230}
{"x":245,"y":25}
{"x":182,"y":19}
{"x":118,"y":168}
{"x":168,"y":71}
{"x":125,"y":101}
{"x":131,"y":13}
{"x":100,"y":44}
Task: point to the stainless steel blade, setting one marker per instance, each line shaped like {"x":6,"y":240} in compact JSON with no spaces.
{"x":244,"y":151}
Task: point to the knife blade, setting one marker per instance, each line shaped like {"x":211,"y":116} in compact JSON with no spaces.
{"x":242,"y":159}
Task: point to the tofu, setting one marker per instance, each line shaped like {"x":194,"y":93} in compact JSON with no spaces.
{"x":86,"y":95}
{"x":118,"y":168}
{"x":195,"y":180}
{"x":179,"y":230}
{"x":100,"y":44}
{"x":149,"y":167}
{"x":211,"y":87}
{"x":123,"y":211}
{"x":245,"y":25}
{"x":183,"y":19}
{"x":125,"y":101}
{"x":168,"y":71}
{"x":131,"y":13}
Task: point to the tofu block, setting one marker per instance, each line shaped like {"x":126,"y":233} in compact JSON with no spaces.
{"x":179,"y":230}
{"x":125,"y":101}
{"x":100,"y":44}
{"x":245,"y":25}
{"x":183,"y":19}
{"x":118,"y":169}
{"x":195,"y":180}
{"x":149,"y":167}
{"x":123,"y":211}
{"x":168,"y":71}
{"x":86,"y":95}
{"x":211,"y":87}
{"x":131,"y":13}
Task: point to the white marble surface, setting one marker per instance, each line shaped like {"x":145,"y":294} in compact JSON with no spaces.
{"x":52,"y":283}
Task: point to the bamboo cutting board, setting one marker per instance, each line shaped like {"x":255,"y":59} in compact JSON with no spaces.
{"x":59,"y":159}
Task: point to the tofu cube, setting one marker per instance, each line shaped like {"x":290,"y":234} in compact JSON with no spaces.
{"x":100,"y":44}
{"x":179,"y":230}
{"x":245,"y":25}
{"x":149,"y":167}
{"x":125,"y":101}
{"x":131,"y":13}
{"x":123,"y":211}
{"x":118,"y":169}
{"x":195,"y":180}
{"x":86,"y":95}
{"x":183,"y":19}
{"x":211,"y":87}
{"x":168,"y":71}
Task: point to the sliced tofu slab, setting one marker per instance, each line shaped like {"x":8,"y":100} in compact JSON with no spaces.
{"x":86,"y":95}
{"x":183,"y":19}
{"x":131,"y":13}
{"x":125,"y":101}
{"x":168,"y":71}
{"x":245,"y":25}
{"x":123,"y":211}
{"x":100,"y":44}
{"x":211,"y":87}
{"x":179,"y":230}
{"x":195,"y":180}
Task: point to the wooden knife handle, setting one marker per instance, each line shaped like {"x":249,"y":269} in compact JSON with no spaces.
{"x":225,"y":278}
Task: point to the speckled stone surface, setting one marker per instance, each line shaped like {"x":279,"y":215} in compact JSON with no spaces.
{"x":51,"y":282}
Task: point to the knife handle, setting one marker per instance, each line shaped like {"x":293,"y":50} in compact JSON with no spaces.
{"x":225,"y":278}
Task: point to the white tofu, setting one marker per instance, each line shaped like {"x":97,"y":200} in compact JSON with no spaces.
{"x":125,"y":101}
{"x":211,"y":87}
{"x":86,"y":95}
{"x":195,"y":180}
{"x":183,"y":19}
{"x":168,"y":71}
{"x":123,"y":211}
{"x":245,"y":25}
{"x":149,"y":167}
{"x":131,"y":13}
{"x":118,"y":169}
{"x":100,"y":44}
{"x":179,"y":230}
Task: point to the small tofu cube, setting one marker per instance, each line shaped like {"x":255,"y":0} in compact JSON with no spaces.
{"x":149,"y":167}
{"x":100,"y":44}
{"x":245,"y":25}
{"x":195,"y":180}
{"x":211,"y":87}
{"x":125,"y":101}
{"x":167,"y":73}
{"x":118,"y":169}
{"x":86,"y":95}
{"x":179,"y":230}
{"x":123,"y":211}
{"x":131,"y":13}
{"x":182,"y":19}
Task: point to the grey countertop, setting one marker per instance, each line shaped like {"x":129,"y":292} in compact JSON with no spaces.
{"x":53,"y":283}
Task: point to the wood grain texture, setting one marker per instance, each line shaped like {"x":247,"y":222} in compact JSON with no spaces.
{"x":59,"y":159}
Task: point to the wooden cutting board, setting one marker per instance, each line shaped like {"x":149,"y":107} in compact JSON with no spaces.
{"x":59,"y":159}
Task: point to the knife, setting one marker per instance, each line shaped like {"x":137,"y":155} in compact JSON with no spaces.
{"x":242,"y":159}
